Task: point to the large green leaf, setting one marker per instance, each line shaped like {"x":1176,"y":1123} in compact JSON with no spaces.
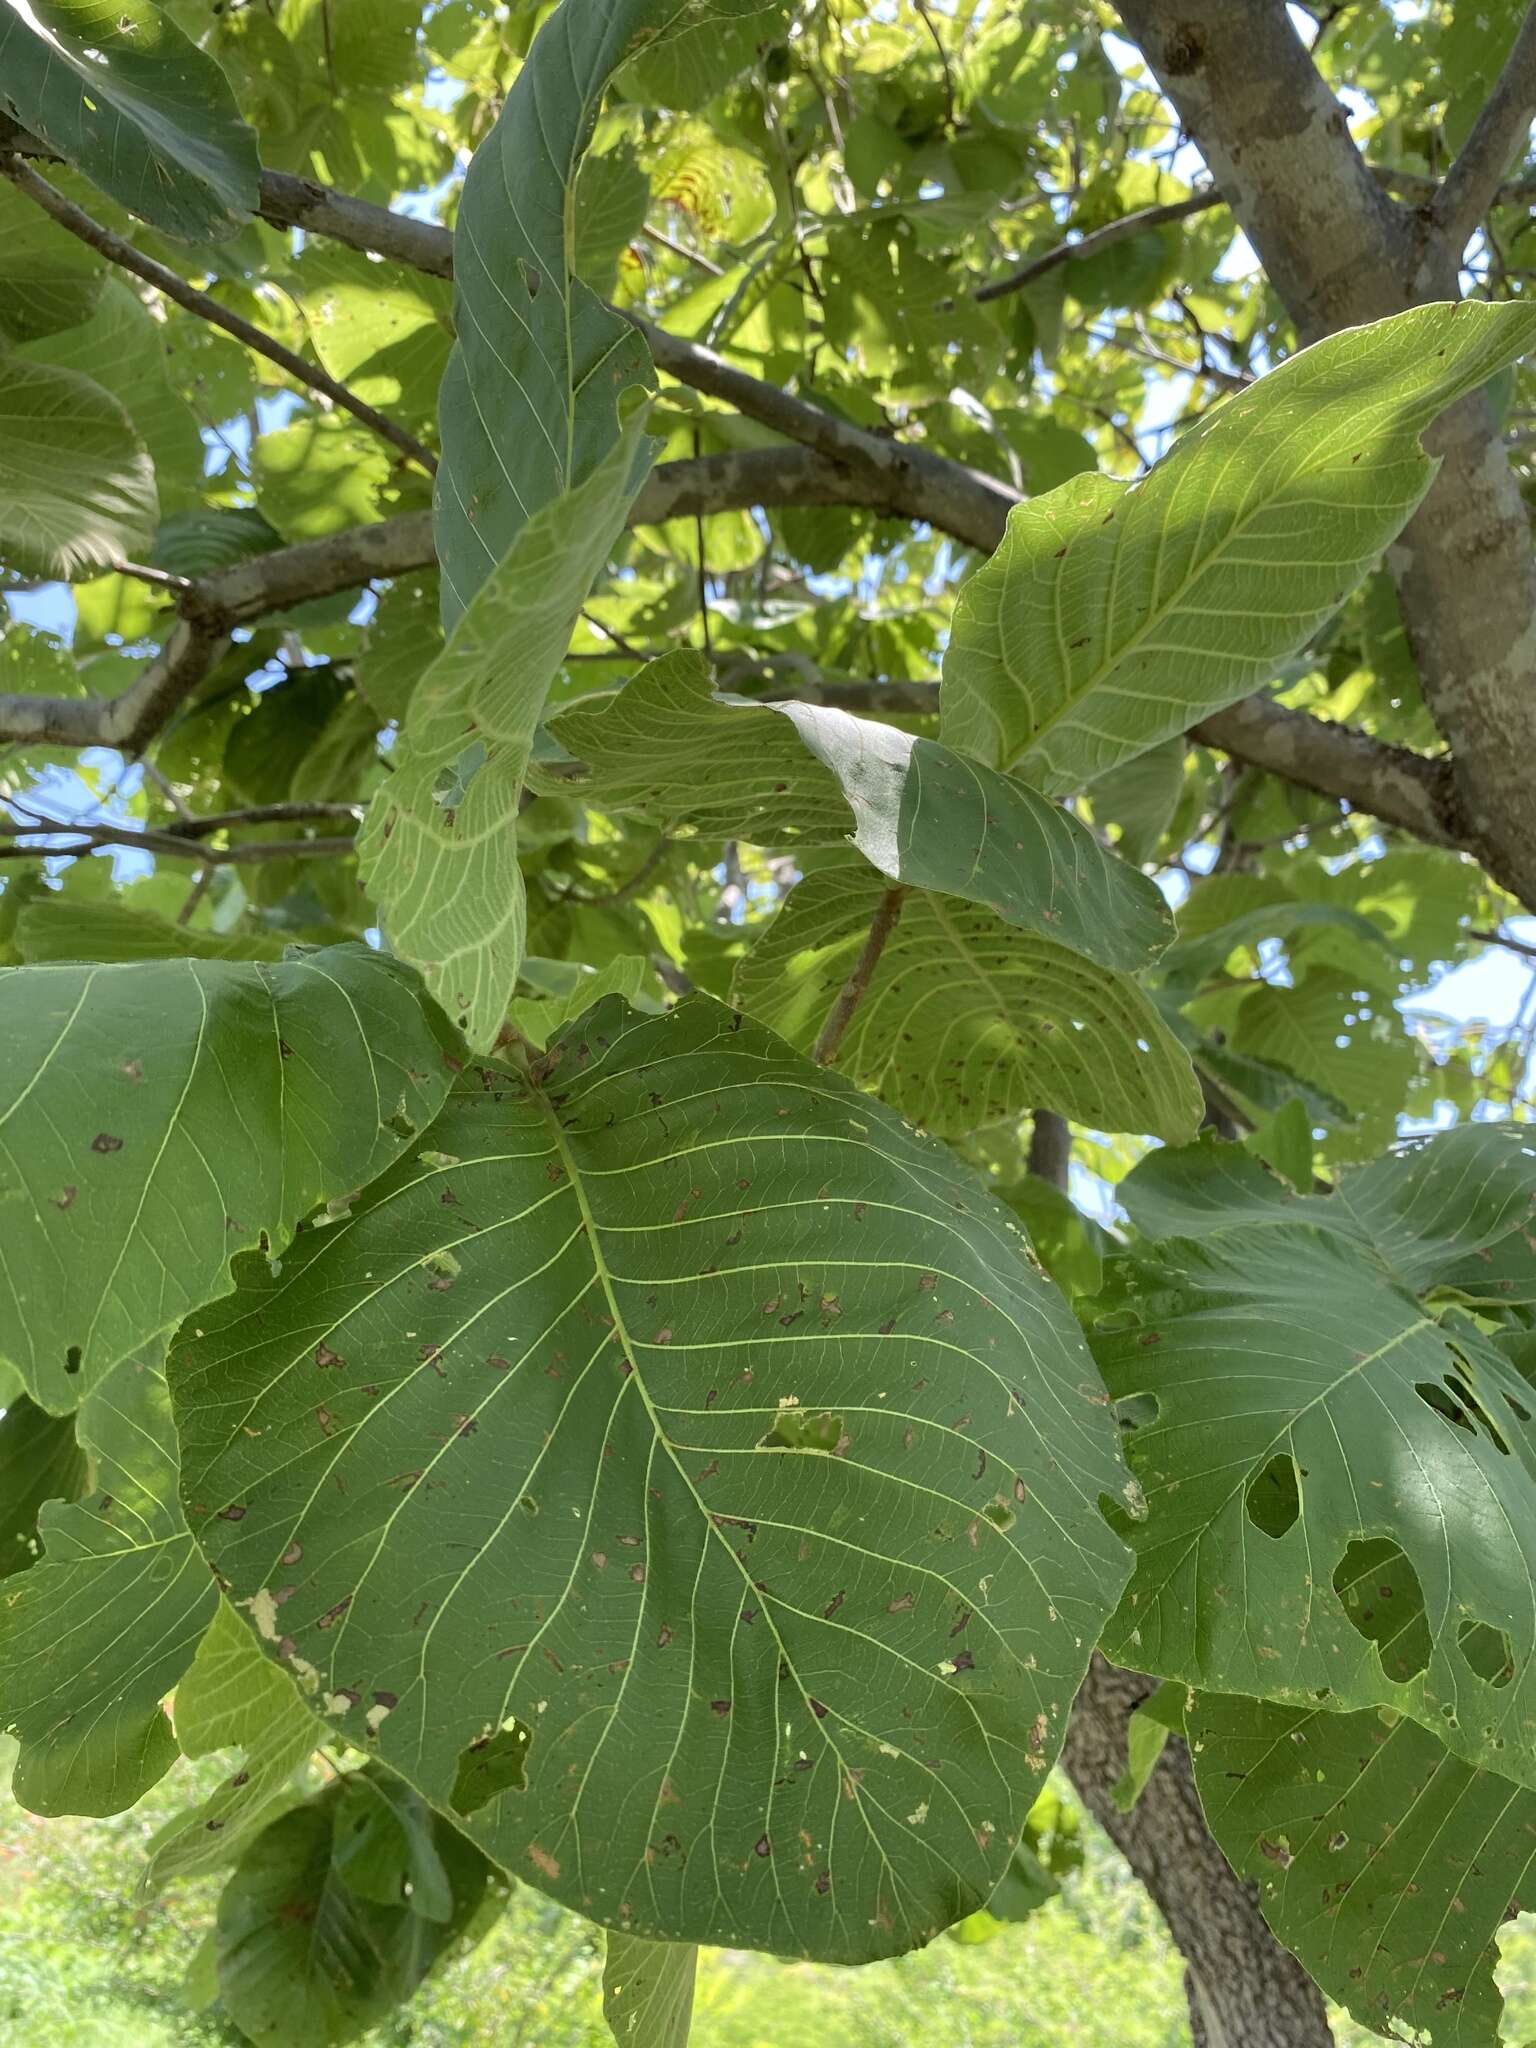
{"x":48,"y":280}
{"x":787,"y":774}
{"x":648,"y":1990}
{"x":306,"y":1959}
{"x":1384,"y":1863}
{"x":529,"y":405}
{"x":95,"y":1635}
{"x":77,"y":486}
{"x":381,"y":330}
{"x":662,"y":1470}
{"x":1203,"y":954}
{"x":58,"y":927}
{"x":687,"y":69}
{"x":1328,"y":1417}
{"x":1327,"y":1031}
{"x":159,"y":1116}
{"x":438,"y":848}
{"x":233,"y":1698}
{"x":117,"y":89}
{"x":121,"y":347}
{"x":967,"y":1020}
{"x":39,"y":1461}
{"x":1115,"y":615}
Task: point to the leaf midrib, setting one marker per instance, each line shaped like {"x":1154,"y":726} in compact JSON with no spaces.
{"x":630,"y":1351}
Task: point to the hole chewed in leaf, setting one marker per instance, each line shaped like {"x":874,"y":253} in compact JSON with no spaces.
{"x":1273,"y":1499}
{"x":1384,"y":1602}
{"x":490,"y":1765}
{"x":1454,"y":1399}
{"x":795,"y":1429}
{"x":1487,"y":1649}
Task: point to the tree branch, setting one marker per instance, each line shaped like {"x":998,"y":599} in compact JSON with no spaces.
{"x":1101,"y":238}
{"x":127,"y":257}
{"x":1504,"y":125}
{"x":289,"y":202}
{"x":183,"y":841}
{"x":835,"y":463}
{"x":964,"y":502}
{"x":849,"y":996}
{"x":1413,"y":791}
{"x":212,"y":605}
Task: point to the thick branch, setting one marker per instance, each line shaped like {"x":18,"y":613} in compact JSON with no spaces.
{"x":1243,"y":1987}
{"x":248,"y":590}
{"x":289,"y":202}
{"x":1413,"y":791}
{"x":1502,"y":129}
{"x":953,"y":496}
{"x":127,"y":257}
{"x":964,"y":502}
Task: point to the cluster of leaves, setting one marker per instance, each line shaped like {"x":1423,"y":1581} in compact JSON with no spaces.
{"x":646,"y":1449}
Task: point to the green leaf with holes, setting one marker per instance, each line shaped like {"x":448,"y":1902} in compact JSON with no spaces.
{"x":804,"y":774}
{"x":438,"y":849}
{"x":1115,"y":615}
{"x":1385,"y":1863}
{"x":1339,"y":1463}
{"x":660,"y":1470}
{"x":95,"y":1635}
{"x":233,"y":1698}
{"x":77,"y":486}
{"x":160,"y":1115}
{"x":118,"y":91}
{"x":966,"y":1020}
{"x":530,"y":401}
{"x":648,"y":1990}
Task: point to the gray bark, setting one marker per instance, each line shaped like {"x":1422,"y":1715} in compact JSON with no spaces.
{"x":1244,"y":1989}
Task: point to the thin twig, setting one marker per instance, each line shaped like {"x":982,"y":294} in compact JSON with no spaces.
{"x":625,"y":890}
{"x":187,"y":840}
{"x":196,"y":893}
{"x":1473,"y":182}
{"x":938,"y":43}
{"x":169,"y":791}
{"x":291,"y":813}
{"x":698,"y":536}
{"x":126,"y":257}
{"x":1101,"y":238}
{"x":677,"y":249}
{"x":840,"y":1016}
{"x":157,"y":579}
{"x":1521,"y":946}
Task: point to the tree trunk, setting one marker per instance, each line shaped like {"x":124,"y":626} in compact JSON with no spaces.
{"x":1244,"y":1989}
